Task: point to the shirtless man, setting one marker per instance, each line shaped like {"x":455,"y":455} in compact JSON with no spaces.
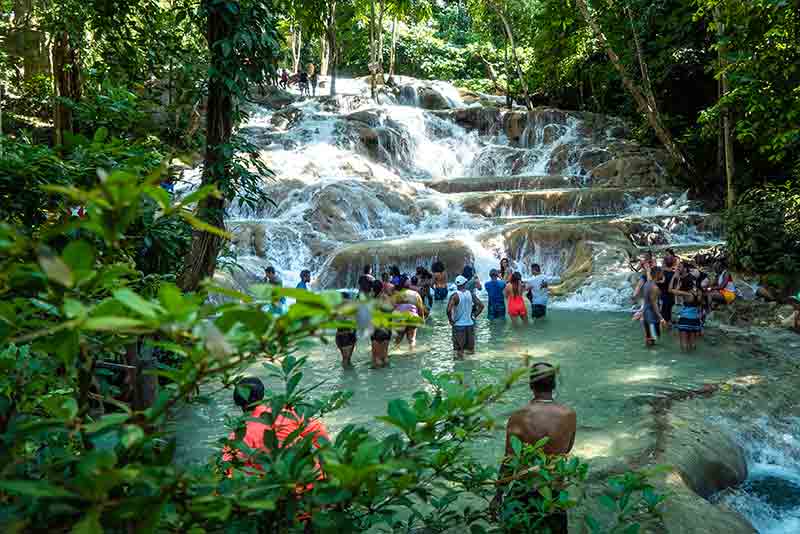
{"x":541,"y":418}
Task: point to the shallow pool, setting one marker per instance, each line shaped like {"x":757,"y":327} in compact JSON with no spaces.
{"x":606,"y":374}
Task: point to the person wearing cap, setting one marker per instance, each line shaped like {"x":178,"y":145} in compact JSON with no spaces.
{"x":494,"y":289}
{"x":541,"y":418}
{"x":462,"y":309}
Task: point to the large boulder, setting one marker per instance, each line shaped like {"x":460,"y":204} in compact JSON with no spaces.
{"x":274,"y":97}
{"x":430,"y":98}
{"x":501,"y":183}
{"x":629,"y":171}
{"x":285,"y":118}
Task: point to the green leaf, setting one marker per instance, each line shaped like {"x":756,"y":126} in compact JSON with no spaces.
{"x":113,"y":324}
{"x":608,"y":502}
{"x":36,"y":488}
{"x":259,"y":504}
{"x":100,"y":135}
{"x":401,"y":413}
{"x":79,"y":255}
{"x":197,"y":224}
{"x":90,"y":524}
{"x":136,"y":303}
{"x":55,"y":268}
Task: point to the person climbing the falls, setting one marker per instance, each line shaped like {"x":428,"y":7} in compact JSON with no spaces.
{"x":439,"y":281}
{"x":395,"y":273}
{"x":305,"y":279}
{"x":312,"y":78}
{"x":462,"y":309}
{"x":514,"y":292}
{"x":496,"y":299}
{"x":473,"y":280}
{"x":406,"y":300}
{"x":724,"y":290}
{"x":381,"y":336}
{"x":541,"y":418}
{"x":249,"y":395}
{"x":670,"y":265}
{"x":302,"y":83}
{"x":652,"y":320}
{"x":539,"y":291}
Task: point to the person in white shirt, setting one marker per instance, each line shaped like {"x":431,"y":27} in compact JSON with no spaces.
{"x":462,"y":309}
{"x":539,"y":293}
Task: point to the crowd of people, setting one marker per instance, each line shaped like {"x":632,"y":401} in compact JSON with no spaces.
{"x":684,"y":282}
{"x":306,"y":80}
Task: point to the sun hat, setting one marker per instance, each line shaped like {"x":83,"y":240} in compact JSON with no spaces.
{"x":460,"y":281}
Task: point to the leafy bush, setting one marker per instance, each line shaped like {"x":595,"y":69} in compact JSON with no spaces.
{"x":113,"y":108}
{"x":763,"y":230}
{"x":34,"y":97}
{"x":77,"y":458}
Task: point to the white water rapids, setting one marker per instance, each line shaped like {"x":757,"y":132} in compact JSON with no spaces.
{"x":333,"y":189}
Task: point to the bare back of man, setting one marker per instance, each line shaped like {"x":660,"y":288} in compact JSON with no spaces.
{"x":539,"y":420}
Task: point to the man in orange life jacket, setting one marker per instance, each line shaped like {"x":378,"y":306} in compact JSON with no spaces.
{"x":248,"y":392}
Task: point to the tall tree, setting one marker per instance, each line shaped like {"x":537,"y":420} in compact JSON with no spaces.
{"x":645,"y":100}
{"x":243,"y":46}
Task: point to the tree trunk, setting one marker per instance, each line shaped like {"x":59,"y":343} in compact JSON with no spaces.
{"x":333,"y":51}
{"x":202,"y":258}
{"x":323,"y":53}
{"x":517,"y":65}
{"x":645,"y":103}
{"x":393,"y":49}
{"x":730,"y":169}
{"x":297,"y":44}
{"x":372,"y":48}
{"x":381,"y":11}
{"x":66,"y":83}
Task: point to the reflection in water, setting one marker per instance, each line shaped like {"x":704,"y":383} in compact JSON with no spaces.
{"x":605,"y":371}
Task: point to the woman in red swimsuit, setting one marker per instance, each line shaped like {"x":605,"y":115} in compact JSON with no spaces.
{"x":516,"y":304}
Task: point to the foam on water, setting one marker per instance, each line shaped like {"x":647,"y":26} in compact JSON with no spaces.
{"x":770,"y":497}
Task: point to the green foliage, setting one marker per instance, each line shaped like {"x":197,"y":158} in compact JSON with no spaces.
{"x":115,"y":109}
{"x":763,"y":230}
{"x":630,"y":499}
{"x":32,"y":97}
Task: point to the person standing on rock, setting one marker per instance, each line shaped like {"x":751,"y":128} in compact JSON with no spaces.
{"x":494,"y":290}
{"x":462,"y":309}
{"x":652,"y":320}
{"x":516,"y":304}
{"x":541,"y":418}
{"x":439,"y":281}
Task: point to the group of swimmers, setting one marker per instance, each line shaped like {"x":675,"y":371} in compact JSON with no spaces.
{"x":659,"y":287}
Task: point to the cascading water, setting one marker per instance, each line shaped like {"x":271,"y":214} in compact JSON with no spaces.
{"x":770,"y":496}
{"x":349,"y":170}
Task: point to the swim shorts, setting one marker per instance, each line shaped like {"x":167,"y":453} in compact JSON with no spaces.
{"x":464,"y":338}
{"x":516,"y":307}
{"x":728,"y":295}
{"x":345,"y":338}
{"x":382,"y":335}
{"x":497,"y":311}
{"x":538,"y":311}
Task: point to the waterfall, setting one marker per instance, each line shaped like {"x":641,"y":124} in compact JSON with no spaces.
{"x":352,"y":181}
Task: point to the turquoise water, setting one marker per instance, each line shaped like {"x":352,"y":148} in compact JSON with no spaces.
{"x":606,"y":375}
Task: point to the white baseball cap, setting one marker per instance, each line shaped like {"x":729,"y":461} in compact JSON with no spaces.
{"x":460,"y":280}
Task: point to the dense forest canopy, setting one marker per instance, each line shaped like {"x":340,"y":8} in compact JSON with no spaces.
{"x":102,"y":102}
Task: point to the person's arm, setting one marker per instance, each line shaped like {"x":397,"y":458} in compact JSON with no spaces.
{"x":477,"y":306}
{"x":423,"y":311}
{"x":653,"y":296}
{"x":639,"y":286}
{"x":574,"y":425}
{"x":450,"y":305}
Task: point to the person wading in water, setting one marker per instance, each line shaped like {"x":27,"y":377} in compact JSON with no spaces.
{"x":541,"y":418}
{"x":462,"y":310}
{"x":494,"y":290}
{"x":652,"y":320}
{"x":439,"y":281}
{"x":381,"y":336}
{"x":516,"y":304}
{"x":406,"y":300}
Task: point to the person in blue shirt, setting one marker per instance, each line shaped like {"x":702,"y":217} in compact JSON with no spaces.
{"x":305,"y":279}
{"x":494,"y":288}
